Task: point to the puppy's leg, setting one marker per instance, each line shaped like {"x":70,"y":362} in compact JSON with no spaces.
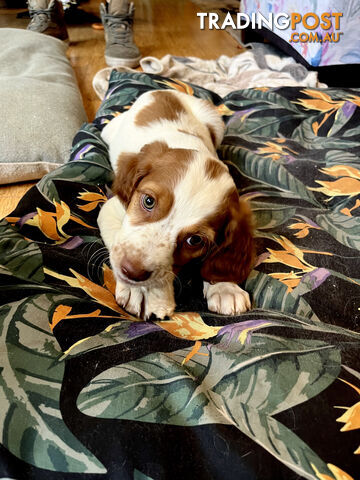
{"x":147,"y":302}
{"x":226,"y":298}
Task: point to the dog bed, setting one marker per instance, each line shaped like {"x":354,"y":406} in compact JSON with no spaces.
{"x":90,"y":392}
{"x":41,"y":105}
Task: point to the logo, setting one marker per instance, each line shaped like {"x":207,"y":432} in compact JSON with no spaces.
{"x":328,"y":22}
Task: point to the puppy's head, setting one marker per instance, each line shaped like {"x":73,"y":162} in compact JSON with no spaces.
{"x":179,"y":208}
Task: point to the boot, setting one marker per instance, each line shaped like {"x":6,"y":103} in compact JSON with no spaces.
{"x":47,"y":17}
{"x":117,"y":17}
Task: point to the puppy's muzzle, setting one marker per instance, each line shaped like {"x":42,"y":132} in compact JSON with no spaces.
{"x":134,"y":270}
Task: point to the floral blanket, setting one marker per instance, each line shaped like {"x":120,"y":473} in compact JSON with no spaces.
{"x":87,"y":391}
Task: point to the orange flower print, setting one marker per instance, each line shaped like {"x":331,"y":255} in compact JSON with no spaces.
{"x":319,"y":100}
{"x":102,"y":295}
{"x":51,"y":224}
{"x":291,"y":280}
{"x":293,"y":257}
{"x":338,"y":474}
{"x":351,"y":417}
{"x":347,"y":211}
{"x":224,"y":110}
{"x":304,"y":225}
{"x":189,"y":326}
{"x":62,"y":313}
{"x":276,"y":149}
{"x":93,"y":199}
{"x":179,"y":85}
{"x":194,"y":351}
{"x":346,"y":185}
{"x":322,"y":102}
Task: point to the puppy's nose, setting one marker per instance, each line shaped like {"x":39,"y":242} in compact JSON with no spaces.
{"x":134,"y":270}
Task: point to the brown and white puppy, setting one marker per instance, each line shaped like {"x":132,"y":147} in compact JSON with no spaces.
{"x":174,"y":201}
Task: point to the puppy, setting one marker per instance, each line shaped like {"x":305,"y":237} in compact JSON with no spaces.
{"x":174,"y":202}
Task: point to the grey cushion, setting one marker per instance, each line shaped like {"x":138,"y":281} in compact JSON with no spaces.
{"x":40,"y":104}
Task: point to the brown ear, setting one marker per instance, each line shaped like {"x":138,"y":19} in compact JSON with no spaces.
{"x":133,"y":167}
{"x":232,"y":258}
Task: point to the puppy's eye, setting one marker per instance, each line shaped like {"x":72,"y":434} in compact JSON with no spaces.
{"x":195,"y":241}
{"x":148,"y":202}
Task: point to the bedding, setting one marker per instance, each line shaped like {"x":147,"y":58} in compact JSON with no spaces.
{"x":41,"y":105}
{"x":88,"y":391}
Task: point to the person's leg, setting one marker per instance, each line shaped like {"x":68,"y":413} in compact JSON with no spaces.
{"x":117,"y":17}
{"x":47,"y":17}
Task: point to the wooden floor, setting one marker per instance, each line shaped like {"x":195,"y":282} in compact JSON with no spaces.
{"x":161,"y":27}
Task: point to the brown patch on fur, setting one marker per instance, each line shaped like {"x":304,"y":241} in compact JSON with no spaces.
{"x":155,"y":171}
{"x":164,"y":200}
{"x":164,"y":106}
{"x":232,"y":257}
{"x":228,"y":253}
{"x":185,"y":253}
{"x":214,"y":168}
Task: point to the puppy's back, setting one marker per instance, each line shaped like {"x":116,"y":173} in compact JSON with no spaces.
{"x":173,"y":117}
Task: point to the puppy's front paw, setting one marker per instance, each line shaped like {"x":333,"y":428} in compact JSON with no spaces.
{"x":226,"y":298}
{"x":154,"y":303}
{"x":130,"y":298}
{"x":160,"y":303}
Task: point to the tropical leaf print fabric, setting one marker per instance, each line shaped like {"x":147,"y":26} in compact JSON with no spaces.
{"x":88,"y":391}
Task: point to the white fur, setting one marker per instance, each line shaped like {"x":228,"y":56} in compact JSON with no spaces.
{"x":195,"y":193}
{"x":227,"y":298}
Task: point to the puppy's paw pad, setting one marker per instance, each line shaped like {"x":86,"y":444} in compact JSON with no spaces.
{"x":227,"y":299}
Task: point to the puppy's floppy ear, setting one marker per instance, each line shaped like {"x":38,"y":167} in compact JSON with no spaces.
{"x":133,"y":167}
{"x":232,"y":258}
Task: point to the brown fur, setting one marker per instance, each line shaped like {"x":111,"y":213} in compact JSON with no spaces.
{"x":214,"y":168}
{"x":228,"y":253}
{"x":163,"y":196}
{"x":164,"y":107}
{"x":154,"y":171}
{"x":232,"y":258}
{"x":183,"y":252}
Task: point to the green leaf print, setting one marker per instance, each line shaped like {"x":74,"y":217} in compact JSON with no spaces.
{"x":271,"y":215}
{"x":242,"y":385}
{"x":341,"y":157}
{"x":140,"y":476}
{"x":19,"y":257}
{"x":259,"y":126}
{"x":342,"y":117}
{"x":304,"y":134}
{"x":343,"y":228}
{"x":267,"y":171}
{"x":31,"y":425}
{"x":269,"y":293}
{"x":271,"y":99}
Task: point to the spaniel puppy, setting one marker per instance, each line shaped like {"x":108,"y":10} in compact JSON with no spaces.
{"x":174,"y":202}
